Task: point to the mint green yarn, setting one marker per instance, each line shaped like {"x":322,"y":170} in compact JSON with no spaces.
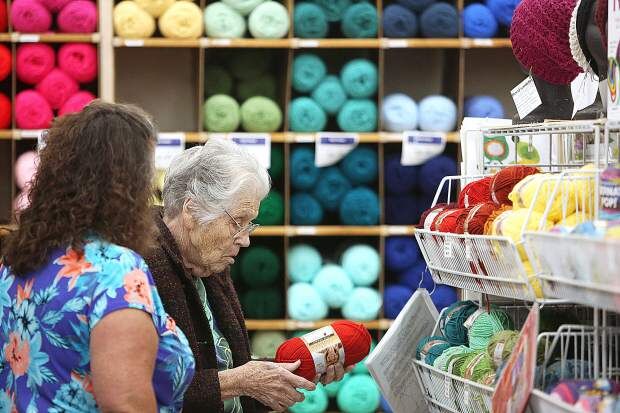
{"x":223,"y":22}
{"x":330,"y":95}
{"x":360,"y":21}
{"x":334,"y":387}
{"x":260,"y":114}
{"x":269,"y":20}
{"x":244,"y":7}
{"x":217,"y":81}
{"x":308,"y":71}
{"x":249,"y":63}
{"x":360,"y":394}
{"x":443,"y":361}
{"x":221,"y":114}
{"x":263,"y":85}
{"x":315,"y":401}
{"x":358,"y":115}
{"x":486,"y":325}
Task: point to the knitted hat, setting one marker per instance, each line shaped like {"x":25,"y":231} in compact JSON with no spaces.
{"x":601,"y":20}
{"x":579,"y":21}
{"x":540,"y":42}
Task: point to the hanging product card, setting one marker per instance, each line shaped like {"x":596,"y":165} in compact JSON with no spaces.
{"x":583,"y":89}
{"x":258,"y":144}
{"x":526,"y":97}
{"x":169,"y":145}
{"x":613,"y":71}
{"x":419,"y":147}
{"x":331,"y":147}
{"x":515,"y":385}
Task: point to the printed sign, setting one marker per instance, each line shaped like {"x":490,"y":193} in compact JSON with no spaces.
{"x":258,"y":144}
{"x":169,"y":145}
{"x":330,"y":147}
{"x":526,"y":97}
{"x":419,"y":147}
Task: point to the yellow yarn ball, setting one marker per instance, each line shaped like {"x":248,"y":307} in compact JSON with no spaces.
{"x":510,"y":224}
{"x":182,"y":20}
{"x":132,"y":22}
{"x":532,"y":279}
{"x":585,"y":186}
{"x":575,"y":219}
{"x":523,"y":194}
{"x":155,"y":7}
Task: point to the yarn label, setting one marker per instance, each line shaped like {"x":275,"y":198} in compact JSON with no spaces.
{"x":257,"y":144}
{"x":330,"y":148}
{"x":134,"y":42}
{"x":497,"y":353}
{"x":472,"y":318}
{"x":325,"y":347}
{"x":169,"y":145}
{"x":418,"y":147}
{"x":447,"y":248}
{"x":584,"y":89}
{"x":526,"y":97}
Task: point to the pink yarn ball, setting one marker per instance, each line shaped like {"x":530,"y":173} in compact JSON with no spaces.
{"x":30,"y":16}
{"x":21,"y":202}
{"x":32,"y":110}
{"x":79,"y":60}
{"x":57,"y":87}
{"x":25,"y":168}
{"x":54,"y":5}
{"x":76,"y":102}
{"x":79,"y":16}
{"x":34,"y":62}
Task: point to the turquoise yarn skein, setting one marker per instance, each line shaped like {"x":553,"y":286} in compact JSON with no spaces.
{"x":330,"y":95}
{"x":333,"y":285}
{"x":305,"y":210}
{"x":360,"y":206}
{"x":453,"y":319}
{"x":362,"y":305}
{"x":429,"y":348}
{"x":305,"y":303}
{"x":304,"y":263}
{"x":304,"y":173}
{"x":358,"y":115}
{"x":331,"y":188}
{"x":306,"y":115}
{"x":360,"y":394}
{"x":362,"y":263}
{"x":359,"y":78}
{"x":308,"y":71}
{"x":360,"y":21}
{"x":360,"y":165}
{"x":314,"y":401}
{"x":334,"y":9}
{"x":310,"y":21}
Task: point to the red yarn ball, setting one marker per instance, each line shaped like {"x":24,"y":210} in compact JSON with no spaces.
{"x":460,"y":220}
{"x":5,"y":62}
{"x":4,"y":19}
{"x":355,"y":340}
{"x":477,"y":217}
{"x":475,"y":192}
{"x":506,"y":179}
{"x":447,"y":221}
{"x":34,"y":62}
{"x":5,"y":111}
{"x":32,"y":110}
{"x":430,"y":214}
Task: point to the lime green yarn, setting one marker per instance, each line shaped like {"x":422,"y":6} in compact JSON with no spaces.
{"x":501,"y":346}
{"x":487,"y":324}
{"x":476,"y":366}
{"x":442,"y":362}
{"x":264,"y":85}
{"x":266,"y":343}
{"x":260,"y":114}
{"x":457,"y":361}
{"x":217,"y":81}
{"x":249,"y":64}
{"x":221,"y":114}
{"x":315,"y":401}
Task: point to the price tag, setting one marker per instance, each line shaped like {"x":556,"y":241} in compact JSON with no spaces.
{"x":526,"y":97}
{"x":220,"y":42}
{"x":134,"y":42}
{"x":304,"y":325}
{"x":331,"y":147}
{"x":395,"y":43}
{"x":583,"y":89}
{"x":169,"y":145}
{"x":303,"y":138}
{"x":483,"y":42}
{"x":306,"y":230}
{"x":447,"y":249}
{"x":306,"y":43}
{"x":466,"y":395}
{"x":397,"y":230}
{"x":446,"y":386}
{"x":468,"y":256}
{"x":29,"y":38}
{"x":258,"y":144}
{"x":418,"y":147}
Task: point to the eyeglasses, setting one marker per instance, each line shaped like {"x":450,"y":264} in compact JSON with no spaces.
{"x":240,"y":229}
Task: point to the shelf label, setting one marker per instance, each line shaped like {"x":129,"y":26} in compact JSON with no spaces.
{"x":28,"y":38}
{"x":447,"y":248}
{"x":397,"y":230}
{"x":306,"y":231}
{"x":30,"y":133}
{"x":257,"y":144}
{"x":483,"y":42}
{"x":418,"y":147}
{"x":169,"y":145}
{"x":395,"y":43}
{"x":134,"y":42}
{"x":526,"y":97}
{"x":303,"y":138}
{"x":331,"y":147}
{"x":304,"y":325}
{"x":307,"y":43}
{"x":220,"y":42}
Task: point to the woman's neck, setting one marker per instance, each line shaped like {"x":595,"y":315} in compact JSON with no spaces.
{"x":188,"y":252}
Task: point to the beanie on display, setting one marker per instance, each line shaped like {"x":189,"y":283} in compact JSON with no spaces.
{"x":577,"y":36}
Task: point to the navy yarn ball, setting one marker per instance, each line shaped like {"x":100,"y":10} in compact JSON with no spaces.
{"x":484,"y":106}
{"x":417,"y":276}
{"x":305,"y":210}
{"x":401,"y":253}
{"x":400,"y":179}
{"x":503,"y":10}
{"x":444,"y":296}
{"x":441,"y":20}
{"x":304,"y":174}
{"x":360,"y":206}
{"x":433,"y":171}
{"x":360,"y":165}
{"x":399,"y":21}
{"x":394,"y":299}
{"x":404,"y":209}
{"x":331,"y":188}
{"x":479,"y":22}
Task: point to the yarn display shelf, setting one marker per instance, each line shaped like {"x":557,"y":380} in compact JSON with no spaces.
{"x":6,"y":134}
{"x":201,"y":137}
{"x":156,"y":42}
{"x":294,"y":325}
{"x":292,"y":137}
{"x":333,"y":231}
{"x":16,"y":37}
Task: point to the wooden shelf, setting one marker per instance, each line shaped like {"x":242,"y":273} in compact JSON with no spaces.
{"x":292,"y":325}
{"x":333,"y":231}
{"x":292,"y":137}
{"x":156,"y":42}
{"x":6,"y":134}
{"x":50,"y":37}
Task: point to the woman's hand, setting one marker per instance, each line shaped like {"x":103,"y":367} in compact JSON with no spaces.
{"x":334,"y":372}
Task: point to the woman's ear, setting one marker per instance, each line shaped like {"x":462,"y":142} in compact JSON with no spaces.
{"x":187,"y":219}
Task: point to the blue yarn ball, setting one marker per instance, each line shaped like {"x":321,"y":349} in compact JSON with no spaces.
{"x":444,"y":296}
{"x":304,"y":263}
{"x":359,"y":78}
{"x":385,"y":406}
{"x":308,"y":71}
{"x":399,"y":113}
{"x":310,"y":21}
{"x":416,"y":5}
{"x":305,"y":210}
{"x":437,"y":113}
{"x":330,"y":95}
{"x":394,"y":299}
{"x":503,"y":10}
{"x":305,"y":303}
{"x":404,"y":209}
{"x":433,"y":171}
{"x":417,"y":276}
{"x":360,"y":206}
{"x":400,"y":179}
{"x":478,"y":21}
{"x":331,"y":187}
{"x":334,"y":9}
{"x":401,"y":253}
{"x":363,"y":304}
{"x":360,"y":165}
{"x":399,"y":21}
{"x":360,"y":21}
{"x":304,"y":174}
{"x":362,"y":264}
{"x":358,"y":115}
{"x":333,"y":285}
{"x":306,"y":115}
{"x":484,"y":106}
{"x":441,"y":20}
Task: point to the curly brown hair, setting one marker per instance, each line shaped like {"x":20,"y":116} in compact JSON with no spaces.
{"x":94,"y":177}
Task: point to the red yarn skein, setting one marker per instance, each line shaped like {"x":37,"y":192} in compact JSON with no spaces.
{"x":477,"y":217}
{"x":460,"y":220}
{"x":4,"y":18}
{"x":5,"y":111}
{"x":475,"y":192}
{"x":448,"y":220}
{"x":506,"y":179}
{"x":6,"y":62}
{"x":355,"y":340}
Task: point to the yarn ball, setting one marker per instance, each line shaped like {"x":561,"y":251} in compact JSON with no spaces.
{"x":269,"y":20}
{"x":568,"y":390}
{"x":331,"y":188}
{"x":217,"y":81}
{"x":440,"y":20}
{"x":501,"y":346}
{"x":362,"y":264}
{"x":360,"y":394}
{"x":363,"y":304}
{"x":399,"y":21}
{"x":30,"y":16}
{"x":154,"y":7}
{"x":360,"y":21}
{"x":479,"y":22}
{"x":395,"y":297}
{"x":484,"y":106}
{"x":34,"y":62}
{"x":333,"y":388}
{"x":57,"y":87}
{"x":442,"y":362}
{"x":250,"y":63}
{"x":260,"y":114}
{"x":4,"y":19}
{"x":511,"y":223}
{"x":264,"y":344}
{"x":401,"y":253}
{"x":437,"y":113}
{"x":79,"y":60}
{"x":403,"y":209}
{"x":54,"y":6}
{"x":485,"y":325}
{"x":452,"y":322}
{"x":314,"y":401}
{"x":305,"y":303}
{"x":334,"y":9}
{"x":306,"y":115}
{"x":182,"y":20}
{"x":333,"y":285}
{"x":6,"y":62}
{"x":360,"y":206}
{"x":244,"y":7}
{"x":76,"y":102}
{"x":355,"y":340}
{"x":535,"y":192}
{"x":399,"y":112}
{"x":221,"y":114}
{"x":429,"y":348}
{"x":304,"y":263}
{"x":400,"y":179}
{"x":360,"y":165}
{"x":444,"y":296}
{"x":260,"y":267}
{"x":304,"y":174}
{"x":131,"y":21}
{"x":477,"y":218}
{"x":505,"y":180}
{"x":476,"y":366}
{"x":223,"y":22}
{"x":503,"y":10}
{"x":271,"y":210}
{"x":25,"y":168}
{"x":429,"y":216}
{"x":416,"y":5}
{"x":277,"y":162}
{"x":330,"y":95}
{"x":263,"y":303}
{"x":310,"y":21}
{"x":5,"y":111}
{"x":32,"y":111}
{"x":433,"y":171}
{"x":359,"y":78}
{"x":416,"y":277}
{"x":308,"y":71}
{"x":358,"y":115}
{"x":264,"y":85}
{"x":78,"y":16}
{"x":475,"y":192}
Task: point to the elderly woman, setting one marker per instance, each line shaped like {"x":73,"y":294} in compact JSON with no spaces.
{"x":211,"y":195}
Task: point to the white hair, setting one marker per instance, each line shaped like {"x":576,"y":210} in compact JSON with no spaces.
{"x":212,"y":177}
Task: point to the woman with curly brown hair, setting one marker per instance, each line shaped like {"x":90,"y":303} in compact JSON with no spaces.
{"x":82,"y":325}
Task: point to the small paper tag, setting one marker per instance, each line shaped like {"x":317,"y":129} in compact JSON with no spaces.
{"x":257,"y":144}
{"x":220,"y":42}
{"x":29,"y":38}
{"x":307,"y":43}
{"x":303,"y":325}
{"x":526,"y":97}
{"x":584,"y":89}
{"x":306,"y":231}
{"x":330,"y":148}
{"x":447,"y":248}
{"x":397,"y":230}
{"x":466,"y":395}
{"x":483,"y":42}
{"x":325,"y":347}
{"x":396,"y":43}
{"x":134,"y":42}
{"x":468,"y":255}
{"x":169,"y":145}
{"x":303,"y":138}
{"x":419,"y":147}
{"x":472,"y":318}
{"x":446,"y":386}
{"x":497,"y":354}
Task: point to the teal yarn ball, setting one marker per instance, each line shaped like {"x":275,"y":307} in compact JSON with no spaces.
{"x":437,"y":114}
{"x":360,"y":165}
{"x":429,"y":348}
{"x":260,"y":114}
{"x":330,"y":95}
{"x":486,"y":325}
{"x":452,"y":322}
{"x":360,"y":206}
{"x":306,"y":115}
{"x":250,"y":63}
{"x":359,"y":78}
{"x":308,"y":71}
{"x":360,"y":368}
{"x":362,"y":305}
{"x":221,"y":114}
{"x":310,"y":21}
{"x":331,"y":188}
{"x":305,"y":303}
{"x":277,"y":162}
{"x":269,"y":20}
{"x":359,"y":394}
{"x":304,"y":263}
{"x":333,"y":285}
{"x":358,"y":115}
{"x":271,"y":209}
{"x":223,"y":22}
{"x":334,"y":9}
{"x":263,"y":85}
{"x":360,"y":21}
{"x":305,"y":210}
{"x":304,"y":174}
{"x":333,"y":388}
{"x":243,"y":7}
{"x":263,"y":303}
{"x":362,"y":264}
{"x":217,"y":81}
{"x":264,"y":344}
{"x":314,"y":402}
{"x":260,"y":267}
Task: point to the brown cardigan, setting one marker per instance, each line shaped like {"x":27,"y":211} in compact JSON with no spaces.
{"x":181,"y":302}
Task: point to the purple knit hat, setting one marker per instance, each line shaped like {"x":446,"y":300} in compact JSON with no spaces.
{"x":539,"y":36}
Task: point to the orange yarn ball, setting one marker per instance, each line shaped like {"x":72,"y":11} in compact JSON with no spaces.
{"x":506,"y":179}
{"x":476,"y":192}
{"x":489,"y":224}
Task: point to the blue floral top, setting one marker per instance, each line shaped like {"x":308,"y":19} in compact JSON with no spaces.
{"x":45,"y":324}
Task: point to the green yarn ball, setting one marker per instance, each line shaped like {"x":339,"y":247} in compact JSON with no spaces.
{"x":431,"y":347}
{"x":360,"y":78}
{"x":264,"y":344}
{"x":358,"y":115}
{"x":310,"y":21}
{"x":243,"y":7}
{"x":271,"y":210}
{"x":360,"y":21}
{"x":260,"y":267}
{"x":486,"y":325}
{"x":476,"y":366}
{"x":359,"y":394}
{"x":315,"y":401}
{"x":221,"y":114}
{"x":334,"y":9}
{"x":217,"y":81}
{"x":277,"y":162}
{"x":305,"y":115}
{"x":269,"y":20}
{"x":263,"y":303}
{"x":334,"y":387}
{"x":442,"y":362}
{"x":330,"y":95}
{"x":223,"y":22}
{"x":360,"y":368}
{"x":260,"y":114}
{"x":453,"y":319}
{"x":250,"y":63}
{"x":308,"y":71}
{"x":263,"y":85}
{"x":501,"y":346}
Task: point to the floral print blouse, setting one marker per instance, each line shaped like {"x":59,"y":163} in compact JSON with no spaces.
{"x":45,"y":324}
